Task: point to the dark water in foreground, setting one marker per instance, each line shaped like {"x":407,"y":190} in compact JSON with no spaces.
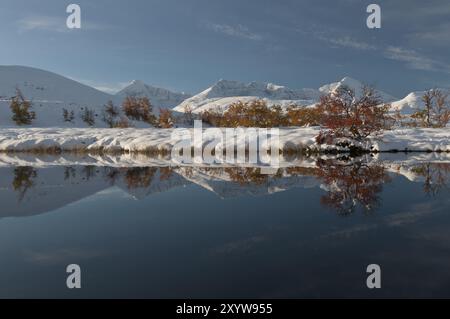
{"x":188,"y":233}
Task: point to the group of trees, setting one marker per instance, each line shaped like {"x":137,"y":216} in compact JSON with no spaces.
{"x":341,"y":114}
{"x":141,"y":109}
{"x":133,"y":108}
{"x":257,"y":113}
{"x":112,"y":117}
{"x":246,"y":114}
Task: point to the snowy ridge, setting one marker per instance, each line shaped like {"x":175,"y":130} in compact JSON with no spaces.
{"x":222,"y":94}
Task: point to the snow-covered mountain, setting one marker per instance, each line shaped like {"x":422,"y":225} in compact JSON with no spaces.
{"x":224,"y":93}
{"x":160,"y":98}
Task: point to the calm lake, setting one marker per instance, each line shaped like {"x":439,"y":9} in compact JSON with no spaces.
{"x":206,"y":232}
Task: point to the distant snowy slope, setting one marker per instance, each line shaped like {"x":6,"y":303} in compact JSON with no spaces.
{"x":412,"y":102}
{"x":160,"y":98}
{"x":43,"y":86}
{"x":49,"y":93}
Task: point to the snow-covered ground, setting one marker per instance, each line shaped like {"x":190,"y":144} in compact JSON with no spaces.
{"x":144,"y":140}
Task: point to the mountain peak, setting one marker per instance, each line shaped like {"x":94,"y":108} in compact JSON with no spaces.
{"x":350,"y":81}
{"x":353,"y":84}
{"x":137,"y":82}
{"x":160,"y":98}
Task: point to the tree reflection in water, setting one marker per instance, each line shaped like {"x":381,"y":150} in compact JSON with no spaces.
{"x":23,"y":180}
{"x":436,"y":176}
{"x":351,"y":185}
{"x":139,"y":177}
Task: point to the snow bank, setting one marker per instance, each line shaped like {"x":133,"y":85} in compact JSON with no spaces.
{"x":418,"y":139}
{"x":144,"y":140}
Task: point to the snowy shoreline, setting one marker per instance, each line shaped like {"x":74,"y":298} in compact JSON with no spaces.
{"x":151,"y":140}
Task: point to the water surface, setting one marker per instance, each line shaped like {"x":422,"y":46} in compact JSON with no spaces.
{"x":187,"y":232}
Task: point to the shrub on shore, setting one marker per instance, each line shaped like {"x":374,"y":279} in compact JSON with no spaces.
{"x":68,"y":116}
{"x":21,"y":109}
{"x":88,"y":116}
{"x":165,"y":119}
{"x":110,"y":113}
{"x":139,"y":109}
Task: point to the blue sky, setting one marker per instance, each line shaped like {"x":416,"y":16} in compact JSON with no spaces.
{"x":186,"y":45}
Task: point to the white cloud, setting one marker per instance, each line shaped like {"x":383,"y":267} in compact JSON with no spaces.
{"x":414,"y":60}
{"x":438,"y":35}
{"x":334,"y":38}
{"x":42,"y":23}
{"x":347,"y":42}
{"x":53,"y":24}
{"x":238,"y":31}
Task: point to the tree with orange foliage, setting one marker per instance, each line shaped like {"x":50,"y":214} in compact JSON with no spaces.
{"x":139,"y":109}
{"x":165,"y":118}
{"x":247,"y":114}
{"x":346,"y":115}
{"x":303,"y":116}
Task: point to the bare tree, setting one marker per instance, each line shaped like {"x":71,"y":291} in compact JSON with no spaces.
{"x":436,"y":112}
{"x":22,"y":115}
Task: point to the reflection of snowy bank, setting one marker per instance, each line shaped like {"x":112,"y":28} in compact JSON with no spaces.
{"x":160,"y":140}
{"x":156,"y":160}
{"x":32,"y":185}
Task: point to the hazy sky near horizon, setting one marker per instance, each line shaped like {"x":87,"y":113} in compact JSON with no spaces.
{"x":186,"y":45}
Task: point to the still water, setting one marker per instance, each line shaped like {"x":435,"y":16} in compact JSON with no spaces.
{"x":159,"y":232}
